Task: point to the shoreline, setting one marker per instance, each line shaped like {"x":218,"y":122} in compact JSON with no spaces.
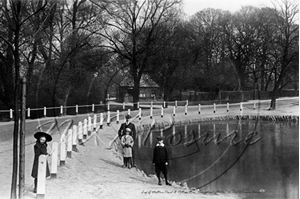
{"x":270,"y":118}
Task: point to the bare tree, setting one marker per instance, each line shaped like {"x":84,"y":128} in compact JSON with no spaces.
{"x":69,"y":38}
{"x":133,"y":32}
{"x":210,"y":48}
{"x":285,"y":43}
{"x":170,"y":65}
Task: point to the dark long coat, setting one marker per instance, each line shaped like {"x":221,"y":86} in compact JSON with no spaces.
{"x":39,"y":149}
{"x":123,"y":126}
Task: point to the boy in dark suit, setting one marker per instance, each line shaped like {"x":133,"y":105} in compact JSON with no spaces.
{"x":160,"y":159}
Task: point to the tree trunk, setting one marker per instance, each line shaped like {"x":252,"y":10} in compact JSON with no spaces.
{"x":22,"y":142}
{"x":273,"y":100}
{"x":15,"y":139}
{"x":135,"y":95}
{"x":166,"y":95}
{"x":16,"y":100}
{"x":274,"y":95}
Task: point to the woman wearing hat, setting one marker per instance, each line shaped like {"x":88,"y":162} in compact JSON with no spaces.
{"x":40,"y":148}
{"x":127,"y":144}
{"x":160,"y":159}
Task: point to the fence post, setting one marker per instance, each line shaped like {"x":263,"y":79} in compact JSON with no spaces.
{"x":80,"y":133}
{"x":174,"y":110}
{"x":89,"y":125}
{"x":161,"y":111}
{"x":10,"y":114}
{"x":123,"y":106}
{"x":254,"y":105}
{"x":140,"y":113}
{"x":118,"y":116}
{"x":28,"y":112}
{"x":241,"y":108}
{"x":74,"y":139}
{"x":164,"y":104}
{"x":95,"y":122}
{"x":151,"y":112}
{"x":227,"y":107}
{"x":84,"y":128}
{"x":93,"y":108}
{"x":76,"y":110}
{"x":54,"y":156}
{"x":41,"y":177}
{"x":108,"y":106}
{"x":185,"y":109}
{"x":128,"y":111}
{"x":199,"y":108}
{"x":45,"y":111}
{"x":101,"y":120}
{"x":215,"y":108}
{"x":108,"y":118}
{"x":62,"y":150}
{"x":61,"y":110}
{"x":69,"y":143}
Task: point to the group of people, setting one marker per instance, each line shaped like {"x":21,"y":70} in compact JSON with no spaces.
{"x":126,"y":134}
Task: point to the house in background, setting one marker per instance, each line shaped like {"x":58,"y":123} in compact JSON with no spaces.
{"x":149,"y":90}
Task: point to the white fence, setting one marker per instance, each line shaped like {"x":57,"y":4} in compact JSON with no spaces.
{"x":108,"y":108}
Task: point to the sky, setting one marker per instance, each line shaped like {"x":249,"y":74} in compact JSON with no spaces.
{"x":192,"y":6}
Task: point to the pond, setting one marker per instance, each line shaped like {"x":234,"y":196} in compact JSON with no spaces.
{"x":250,"y":158}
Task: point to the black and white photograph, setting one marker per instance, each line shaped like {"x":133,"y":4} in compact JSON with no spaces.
{"x":149,"y":99}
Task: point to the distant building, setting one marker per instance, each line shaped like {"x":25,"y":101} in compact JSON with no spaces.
{"x":149,"y":90}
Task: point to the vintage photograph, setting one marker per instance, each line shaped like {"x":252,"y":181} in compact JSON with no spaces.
{"x":149,"y":99}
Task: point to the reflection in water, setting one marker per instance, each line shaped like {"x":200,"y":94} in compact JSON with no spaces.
{"x":228,"y":156}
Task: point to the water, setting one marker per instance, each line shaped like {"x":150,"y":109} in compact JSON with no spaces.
{"x":253,"y":165}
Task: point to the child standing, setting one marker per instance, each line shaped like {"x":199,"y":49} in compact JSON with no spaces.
{"x":160,"y":159}
{"x":127,"y":144}
{"x":40,"y":148}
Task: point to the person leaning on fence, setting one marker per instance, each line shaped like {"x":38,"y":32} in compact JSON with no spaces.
{"x":127,"y":144}
{"x":40,"y":148}
{"x":160,"y":160}
{"x":122,"y":132}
